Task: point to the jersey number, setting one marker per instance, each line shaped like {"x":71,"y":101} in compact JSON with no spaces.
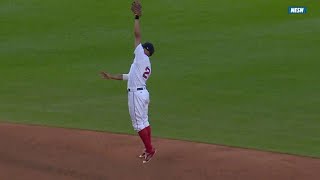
{"x":146,"y":73}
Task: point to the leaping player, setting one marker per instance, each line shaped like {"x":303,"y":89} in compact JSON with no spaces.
{"x":138,"y":95}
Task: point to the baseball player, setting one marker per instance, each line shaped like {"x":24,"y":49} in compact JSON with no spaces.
{"x":138,"y":95}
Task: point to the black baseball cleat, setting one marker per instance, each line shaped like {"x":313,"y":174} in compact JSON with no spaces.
{"x":149,"y":156}
{"x":143,"y":155}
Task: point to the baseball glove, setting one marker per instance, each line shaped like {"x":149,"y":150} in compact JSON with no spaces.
{"x":136,"y":8}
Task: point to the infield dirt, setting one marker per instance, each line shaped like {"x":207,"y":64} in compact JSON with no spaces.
{"x":35,"y":152}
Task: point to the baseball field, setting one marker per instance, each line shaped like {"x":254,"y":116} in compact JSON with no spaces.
{"x":240,"y":74}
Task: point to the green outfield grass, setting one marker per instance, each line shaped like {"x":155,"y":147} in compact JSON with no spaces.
{"x":240,"y":73}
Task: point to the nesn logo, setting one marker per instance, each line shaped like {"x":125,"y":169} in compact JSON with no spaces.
{"x":297,"y":10}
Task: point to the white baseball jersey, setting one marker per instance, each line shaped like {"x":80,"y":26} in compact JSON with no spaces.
{"x":140,"y":69}
{"x":138,"y":100}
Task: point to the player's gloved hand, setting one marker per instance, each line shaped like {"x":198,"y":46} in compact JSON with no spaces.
{"x":136,"y":8}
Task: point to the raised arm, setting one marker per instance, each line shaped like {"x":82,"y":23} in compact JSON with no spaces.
{"x":136,"y":8}
{"x":137,"y":32}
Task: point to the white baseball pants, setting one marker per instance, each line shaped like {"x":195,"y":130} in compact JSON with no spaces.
{"x":138,"y":102}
